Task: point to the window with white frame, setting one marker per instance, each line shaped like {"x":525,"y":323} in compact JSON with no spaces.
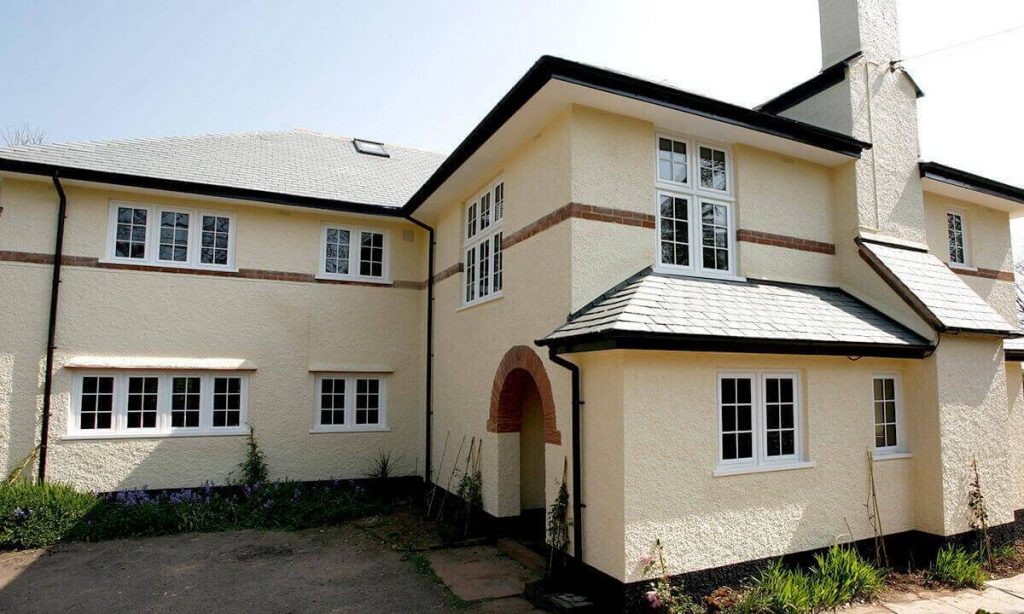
{"x":759,"y":419}
{"x":482,"y":265}
{"x":353,"y":253}
{"x":169,"y":236}
{"x":153,"y":404}
{"x":350,"y":402}
{"x":695,"y":225}
{"x":888,"y":427}
{"x":956,"y":231}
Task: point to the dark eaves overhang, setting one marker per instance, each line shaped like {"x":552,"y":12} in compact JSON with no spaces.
{"x":549,"y":68}
{"x":1016,"y":355}
{"x":833,"y":75}
{"x":962,"y":179}
{"x":191,"y":187}
{"x":629,"y":340}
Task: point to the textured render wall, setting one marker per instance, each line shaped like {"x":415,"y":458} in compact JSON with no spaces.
{"x":282,"y":327}
{"x":604,"y":461}
{"x":988,"y":246}
{"x":670,"y":441}
{"x":470,"y":342}
{"x":829,"y":109}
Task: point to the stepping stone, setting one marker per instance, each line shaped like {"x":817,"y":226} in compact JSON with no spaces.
{"x":479,"y":572}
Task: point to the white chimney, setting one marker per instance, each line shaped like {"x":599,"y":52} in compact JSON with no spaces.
{"x":849,"y":26}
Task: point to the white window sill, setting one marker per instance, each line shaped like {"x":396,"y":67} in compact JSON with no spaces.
{"x":376,"y":429}
{"x":741,"y":470}
{"x":882,"y":455}
{"x":962,"y":267}
{"x":354,"y":278}
{"x":481,"y":301}
{"x":153,"y":435}
{"x":668,"y":270}
{"x":183,"y":266}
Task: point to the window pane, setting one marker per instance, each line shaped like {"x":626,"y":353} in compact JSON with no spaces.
{"x":185,"y":399}
{"x":367,"y":401}
{"x":499,"y":201}
{"x":173,"y":236}
{"x":215,"y":236}
{"x":736,"y":423}
{"x":780,"y":416}
{"x":336,"y":256}
{"x":672,"y":162}
{"x":485,"y":211}
{"x":371,"y":254}
{"x":332,"y":401}
{"x":471,"y":221}
{"x":954,"y":229}
{"x":715,"y":236}
{"x":469,"y":273}
{"x":497,"y":264}
{"x":227,"y":401}
{"x":712,"y":169}
{"x":130,"y":235}
{"x":885,"y":412}
{"x":142,"y":398}
{"x":484,"y":268}
{"x":96,"y":409}
{"x":675,"y":230}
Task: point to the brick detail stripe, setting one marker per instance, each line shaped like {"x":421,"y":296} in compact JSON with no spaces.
{"x":82,"y":261}
{"x":767,"y":238}
{"x":577,"y":210}
{"x":986,"y":273}
{"x":454,"y":269}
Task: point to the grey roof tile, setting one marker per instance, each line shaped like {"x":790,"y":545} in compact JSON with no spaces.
{"x":751,"y":309}
{"x":294,"y":163}
{"x":936,"y":292}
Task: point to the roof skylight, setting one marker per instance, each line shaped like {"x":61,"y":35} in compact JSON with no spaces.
{"x":370,"y":148}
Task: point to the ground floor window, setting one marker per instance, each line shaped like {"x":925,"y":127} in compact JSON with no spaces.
{"x":759,"y":418}
{"x":349,"y":402}
{"x":125,"y":404}
{"x":888,"y":414}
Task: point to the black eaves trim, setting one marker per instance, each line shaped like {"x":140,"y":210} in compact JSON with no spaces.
{"x":550,"y":67}
{"x":970,"y":181}
{"x":190,"y":187}
{"x":828,"y":77}
{"x":629,"y":340}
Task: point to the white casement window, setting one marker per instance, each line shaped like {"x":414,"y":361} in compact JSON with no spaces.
{"x":169,"y":236}
{"x":126,"y":404}
{"x":695,"y":218}
{"x":359,"y":254}
{"x":888,"y":414}
{"x":759,"y":418}
{"x":349,"y":402}
{"x":482,"y":264}
{"x":956,"y":230}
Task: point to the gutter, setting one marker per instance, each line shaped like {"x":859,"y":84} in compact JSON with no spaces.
{"x":577,"y":460}
{"x":429,"y":391}
{"x":970,"y":181}
{"x":51,"y":331}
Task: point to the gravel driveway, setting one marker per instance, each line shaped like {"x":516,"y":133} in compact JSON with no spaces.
{"x":338,"y":569}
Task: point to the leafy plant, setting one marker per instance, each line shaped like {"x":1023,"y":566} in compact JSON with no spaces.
{"x":382,"y":467}
{"x":38,"y":515}
{"x":958,"y":568}
{"x":842,"y":575}
{"x":979,"y":513}
{"x":254,"y":468}
{"x":662,"y":595}
{"x":558,"y":521}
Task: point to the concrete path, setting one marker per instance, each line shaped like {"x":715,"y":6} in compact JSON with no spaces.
{"x":1004,"y":596}
{"x":484,"y":577}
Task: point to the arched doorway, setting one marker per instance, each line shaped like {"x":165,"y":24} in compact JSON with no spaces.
{"x":522,"y":403}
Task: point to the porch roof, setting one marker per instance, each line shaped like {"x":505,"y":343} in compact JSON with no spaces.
{"x":659,"y":311}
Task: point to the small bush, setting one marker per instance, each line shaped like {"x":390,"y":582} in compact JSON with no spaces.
{"x":35,"y":516}
{"x":839,"y":576}
{"x":958,"y":568}
{"x":254,"y":468}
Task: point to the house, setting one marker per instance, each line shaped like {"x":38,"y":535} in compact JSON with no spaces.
{"x":722,"y":320}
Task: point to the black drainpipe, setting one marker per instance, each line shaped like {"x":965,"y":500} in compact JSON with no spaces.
{"x":577,"y":457}
{"x":430,"y":342}
{"x":51,"y":333}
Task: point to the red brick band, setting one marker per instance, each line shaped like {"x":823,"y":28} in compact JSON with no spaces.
{"x":81,"y":261}
{"x":519,"y":368}
{"x":986,"y":273}
{"x":454,"y":269}
{"x":576,"y":210}
{"x":767,"y":238}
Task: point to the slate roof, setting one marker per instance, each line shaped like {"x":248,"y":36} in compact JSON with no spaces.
{"x":933,"y":290}
{"x":738,"y":316}
{"x":295,"y":162}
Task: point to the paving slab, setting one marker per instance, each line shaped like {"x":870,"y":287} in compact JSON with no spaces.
{"x":479,"y":572}
{"x":1014,"y":585}
{"x":992,"y":600}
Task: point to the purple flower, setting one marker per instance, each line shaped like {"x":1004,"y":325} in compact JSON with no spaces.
{"x":20,"y":514}
{"x":646,"y":561}
{"x":653,"y":599}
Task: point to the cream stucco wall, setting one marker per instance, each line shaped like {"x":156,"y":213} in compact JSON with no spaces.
{"x":282,"y":327}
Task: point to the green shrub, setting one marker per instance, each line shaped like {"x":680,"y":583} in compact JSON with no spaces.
{"x":254,"y":468}
{"x":35,"y":516}
{"x":958,"y":568}
{"x":839,"y":576}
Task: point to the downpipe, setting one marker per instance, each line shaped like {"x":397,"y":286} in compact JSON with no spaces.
{"x":51,"y":331}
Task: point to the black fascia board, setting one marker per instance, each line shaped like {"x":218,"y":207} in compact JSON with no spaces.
{"x":201,"y":189}
{"x":833,"y":75}
{"x":549,"y":68}
{"x":970,"y":181}
{"x":629,"y":340}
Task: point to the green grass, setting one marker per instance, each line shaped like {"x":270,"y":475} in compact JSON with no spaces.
{"x":839,"y":576}
{"x":34,"y":516}
{"x":958,"y":568}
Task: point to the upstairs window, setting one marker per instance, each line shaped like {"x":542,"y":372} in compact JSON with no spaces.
{"x":759,"y":419}
{"x":353,"y":253}
{"x":482,"y":264}
{"x":695,"y":222}
{"x":154,"y":404}
{"x":956,"y":231}
{"x":167,"y":236}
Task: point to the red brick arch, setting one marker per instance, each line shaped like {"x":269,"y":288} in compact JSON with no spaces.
{"x":518,"y":369}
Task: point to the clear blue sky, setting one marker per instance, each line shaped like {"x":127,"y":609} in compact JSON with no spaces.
{"x":423,"y":73}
